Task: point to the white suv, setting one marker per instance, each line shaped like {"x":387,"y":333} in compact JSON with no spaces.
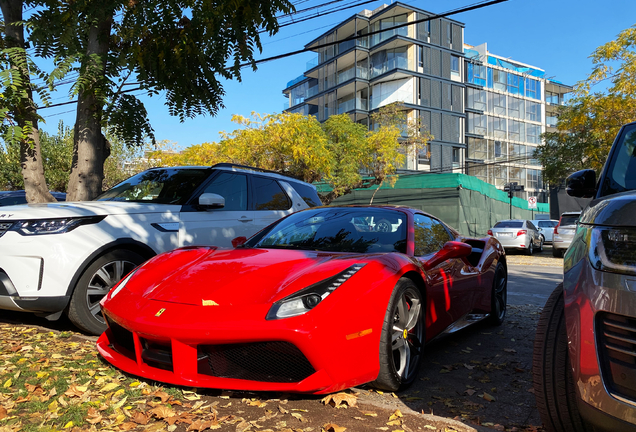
{"x":66,"y":256}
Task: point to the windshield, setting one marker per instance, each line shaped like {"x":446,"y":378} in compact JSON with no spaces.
{"x":569,"y":220}
{"x":621,"y":174}
{"x":509,"y":224}
{"x":360,"y":230}
{"x":160,"y":186}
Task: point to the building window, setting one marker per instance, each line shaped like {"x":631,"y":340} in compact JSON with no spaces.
{"x":420,"y":56}
{"x":515,"y":107}
{"x":535,"y":180}
{"x":477,"y":148}
{"x":516,"y":130}
{"x":533,"y":111}
{"x":477,"y":124}
{"x":456,"y":157}
{"x":454,"y":64}
{"x":500,"y":80}
{"x":497,"y":104}
{"x":499,"y":150}
{"x":533,"y":88}
{"x":476,"y":74}
{"x":532,"y":133}
{"x":476,"y":99}
{"x":513,"y":83}
{"x":497,"y":127}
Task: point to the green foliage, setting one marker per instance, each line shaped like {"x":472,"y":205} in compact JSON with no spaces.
{"x":339,"y":152}
{"x":588,"y":124}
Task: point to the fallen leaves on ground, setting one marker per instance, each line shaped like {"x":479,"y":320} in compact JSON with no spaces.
{"x":341,"y":400}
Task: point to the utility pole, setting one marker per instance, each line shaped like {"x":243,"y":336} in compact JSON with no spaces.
{"x":511,"y":188}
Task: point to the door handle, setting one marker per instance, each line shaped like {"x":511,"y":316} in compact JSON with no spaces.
{"x":245,"y":219}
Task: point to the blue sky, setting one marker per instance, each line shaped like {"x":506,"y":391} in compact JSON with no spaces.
{"x":555,"y":35}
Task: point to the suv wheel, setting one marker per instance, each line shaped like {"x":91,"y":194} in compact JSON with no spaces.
{"x":542,"y":240}
{"x":553,"y":383}
{"x":98,"y":278}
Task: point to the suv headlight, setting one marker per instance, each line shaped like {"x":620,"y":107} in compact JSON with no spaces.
{"x":53,"y":226}
{"x":306,"y":299}
{"x":613,"y":249}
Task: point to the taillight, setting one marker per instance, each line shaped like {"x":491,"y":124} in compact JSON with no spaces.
{"x":556,"y":228}
{"x":489,"y":232}
{"x":521,"y":232}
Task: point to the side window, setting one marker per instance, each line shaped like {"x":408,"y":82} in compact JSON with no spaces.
{"x":268,"y":195}
{"x":430,"y":235}
{"x":307,"y":193}
{"x":232,"y":187}
{"x":531,"y":226}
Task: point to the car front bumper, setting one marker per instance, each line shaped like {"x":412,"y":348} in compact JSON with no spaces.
{"x":600,"y":310}
{"x":342,"y":352}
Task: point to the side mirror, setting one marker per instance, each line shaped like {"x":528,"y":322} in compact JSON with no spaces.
{"x":239,"y":241}
{"x":451,"y":249}
{"x":581,"y":184}
{"x":211,"y":201}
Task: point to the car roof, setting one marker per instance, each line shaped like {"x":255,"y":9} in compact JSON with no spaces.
{"x":571,"y":213}
{"x":242,"y":168}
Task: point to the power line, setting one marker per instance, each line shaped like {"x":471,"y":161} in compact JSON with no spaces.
{"x":354,"y":37}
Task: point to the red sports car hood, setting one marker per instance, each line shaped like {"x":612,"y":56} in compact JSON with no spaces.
{"x":210,"y":277}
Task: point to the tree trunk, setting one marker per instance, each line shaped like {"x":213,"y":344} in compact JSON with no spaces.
{"x":26,"y":114}
{"x":90,"y":147}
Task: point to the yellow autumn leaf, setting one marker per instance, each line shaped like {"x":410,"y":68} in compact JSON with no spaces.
{"x":120,"y":403}
{"x":110,"y":386}
{"x":397,"y":414}
{"x":53,"y":406}
{"x":7,"y":383}
{"x":68,"y":425}
{"x":134,"y":384}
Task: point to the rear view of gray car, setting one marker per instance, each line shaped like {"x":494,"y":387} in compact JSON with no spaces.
{"x":518,"y":234}
{"x":564,"y":233}
{"x":546,"y":228}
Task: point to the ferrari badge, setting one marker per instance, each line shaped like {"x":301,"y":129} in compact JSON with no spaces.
{"x":162,"y":310}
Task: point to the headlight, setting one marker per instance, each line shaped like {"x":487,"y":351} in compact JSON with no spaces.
{"x":613,"y":249}
{"x":308,"y":298}
{"x":121,"y":284}
{"x":53,"y":226}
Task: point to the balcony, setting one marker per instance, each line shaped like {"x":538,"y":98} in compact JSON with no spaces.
{"x":395,"y":63}
{"x":312,"y":63}
{"x":350,"y":73}
{"x":350,"y":105}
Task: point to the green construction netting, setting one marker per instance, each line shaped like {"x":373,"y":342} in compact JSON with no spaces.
{"x":449,"y":180}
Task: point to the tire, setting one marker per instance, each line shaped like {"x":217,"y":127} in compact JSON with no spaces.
{"x":557,"y":253}
{"x":542,"y":239}
{"x":552,"y":374}
{"x":499,"y":296}
{"x":101,"y":276}
{"x":530,"y":249}
{"x":400,"y":357}
{"x":383,"y":225}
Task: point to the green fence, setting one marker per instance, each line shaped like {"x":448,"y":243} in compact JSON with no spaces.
{"x":468,"y":204}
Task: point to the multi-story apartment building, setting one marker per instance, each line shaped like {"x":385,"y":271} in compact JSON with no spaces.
{"x":484,"y":112}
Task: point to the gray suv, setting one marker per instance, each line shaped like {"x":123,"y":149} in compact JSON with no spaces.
{"x":584,"y":361}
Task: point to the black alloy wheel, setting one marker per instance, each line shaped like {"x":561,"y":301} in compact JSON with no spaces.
{"x":499,"y":295}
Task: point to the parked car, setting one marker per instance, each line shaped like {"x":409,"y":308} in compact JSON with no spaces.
{"x":518,"y":234}
{"x":66,"y":256}
{"x":270,"y":314}
{"x":564,"y":232}
{"x":19,"y":197}
{"x":584,"y":361}
{"x":545,"y":228}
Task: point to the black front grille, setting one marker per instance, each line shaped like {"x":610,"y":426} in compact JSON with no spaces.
{"x":260,"y":361}
{"x":4,"y":227}
{"x":122,"y":340}
{"x":157,"y":354}
{"x":616,"y":339}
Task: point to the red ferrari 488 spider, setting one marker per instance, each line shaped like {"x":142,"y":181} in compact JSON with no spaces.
{"x":322,"y":300}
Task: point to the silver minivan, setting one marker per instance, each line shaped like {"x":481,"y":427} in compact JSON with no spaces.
{"x":564,"y":232}
{"x":518,"y":234}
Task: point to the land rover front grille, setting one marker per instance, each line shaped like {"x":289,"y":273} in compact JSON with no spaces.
{"x":274,"y":361}
{"x":4,"y":227}
{"x":616,"y":340}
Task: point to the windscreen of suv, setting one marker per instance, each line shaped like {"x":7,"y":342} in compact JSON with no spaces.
{"x":509,"y":224}
{"x":160,"y":186}
{"x":569,"y":220}
{"x":621,"y":174}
